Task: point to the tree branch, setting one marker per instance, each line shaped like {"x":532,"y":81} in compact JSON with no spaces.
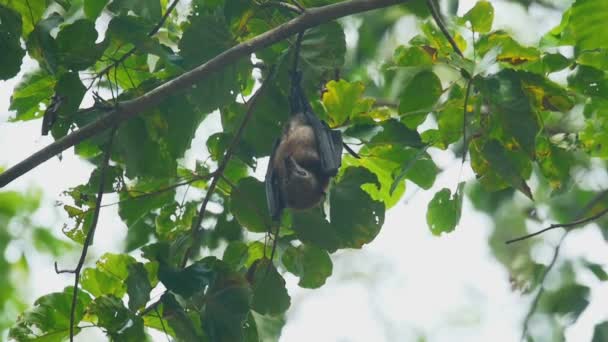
{"x":560,"y":225}
{"x":131,"y":108}
{"x":437,"y":17}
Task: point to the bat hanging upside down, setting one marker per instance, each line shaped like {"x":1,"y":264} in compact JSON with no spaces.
{"x":304,"y":158}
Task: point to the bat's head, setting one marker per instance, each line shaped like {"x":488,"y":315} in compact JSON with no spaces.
{"x":302,"y":186}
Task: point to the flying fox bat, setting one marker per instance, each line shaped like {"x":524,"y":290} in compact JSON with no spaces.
{"x":304,"y":158}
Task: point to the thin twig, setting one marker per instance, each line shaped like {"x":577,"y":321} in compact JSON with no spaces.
{"x":196,"y":226}
{"x":162,"y":323}
{"x":561,"y":225}
{"x":437,"y":17}
{"x":589,"y":206}
{"x":541,"y":289}
{"x":89,"y":238}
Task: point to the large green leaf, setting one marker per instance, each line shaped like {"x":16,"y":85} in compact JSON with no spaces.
{"x":119,"y":323}
{"x":444,"y":211}
{"x":76,"y":45}
{"x":138,"y":286}
{"x":109,"y":275}
{"x":10,"y":59}
{"x":227,"y":304}
{"x":212,"y":32}
{"x":480,"y":16}
{"x":248,"y":202}
{"x":512,"y":114}
{"x":269,"y":293}
{"x":49,"y":318}
{"x":342,"y":100}
{"x":313,"y":265}
{"x":348,"y":228}
{"x":34,"y":90}
{"x":600,"y":332}
{"x":421,"y":94}
{"x":587,"y":18}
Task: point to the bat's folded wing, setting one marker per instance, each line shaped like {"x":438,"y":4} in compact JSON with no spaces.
{"x":329,"y":144}
{"x":273,"y":189}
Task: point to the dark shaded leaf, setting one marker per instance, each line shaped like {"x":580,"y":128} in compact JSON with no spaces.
{"x":12,"y":54}
{"x":49,"y":318}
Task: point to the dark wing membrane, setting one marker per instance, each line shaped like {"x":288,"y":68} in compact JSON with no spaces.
{"x":329,"y":144}
{"x":273,"y":189}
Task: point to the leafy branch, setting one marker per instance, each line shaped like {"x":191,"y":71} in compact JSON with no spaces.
{"x":152,"y":32}
{"x":219,"y":172}
{"x":131,"y":108}
{"x":601,"y":196}
{"x":89,"y":238}
{"x":561,"y":225}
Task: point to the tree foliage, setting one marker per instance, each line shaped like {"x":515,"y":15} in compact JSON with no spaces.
{"x":529,"y":120}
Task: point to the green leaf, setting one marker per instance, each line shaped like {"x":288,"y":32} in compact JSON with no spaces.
{"x":41,"y":45}
{"x":413,"y":56}
{"x":342,"y":100}
{"x":12,"y":54}
{"x":313,"y":265}
{"x":556,"y":62}
{"x":418,"y":167}
{"x":109,"y":275}
{"x":49,"y":318}
{"x":45,"y":241}
{"x":142,"y":154}
{"x":248,"y":205}
{"x":421,"y":94}
{"x":322,"y":50}
{"x":119,"y":323}
{"x":188,"y":281}
{"x":348,"y":228}
{"x":134,"y":207}
{"x":219,"y":88}
{"x":70,"y":91}
{"x":444,"y":211}
{"x":93,"y":8}
{"x":597,"y":270}
{"x":138,"y":286}
{"x":587,"y":18}
{"x":235,"y":254}
{"x":178,"y":320}
{"x":480,"y":16}
{"x":269,"y":293}
{"x":76,"y":45}
{"x":395,"y":132}
{"x":34,"y":90}
{"x":568,"y":301}
{"x":511,"y":166}
{"x":149,"y":10}
{"x":511,"y":108}
{"x":600,"y":332}
{"x":31,"y":12}
{"x":510,"y":51}
{"x":227,"y":303}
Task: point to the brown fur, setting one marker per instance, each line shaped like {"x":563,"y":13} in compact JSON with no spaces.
{"x":304,"y":189}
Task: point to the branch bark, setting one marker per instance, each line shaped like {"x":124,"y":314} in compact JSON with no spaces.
{"x":128,"y":109}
